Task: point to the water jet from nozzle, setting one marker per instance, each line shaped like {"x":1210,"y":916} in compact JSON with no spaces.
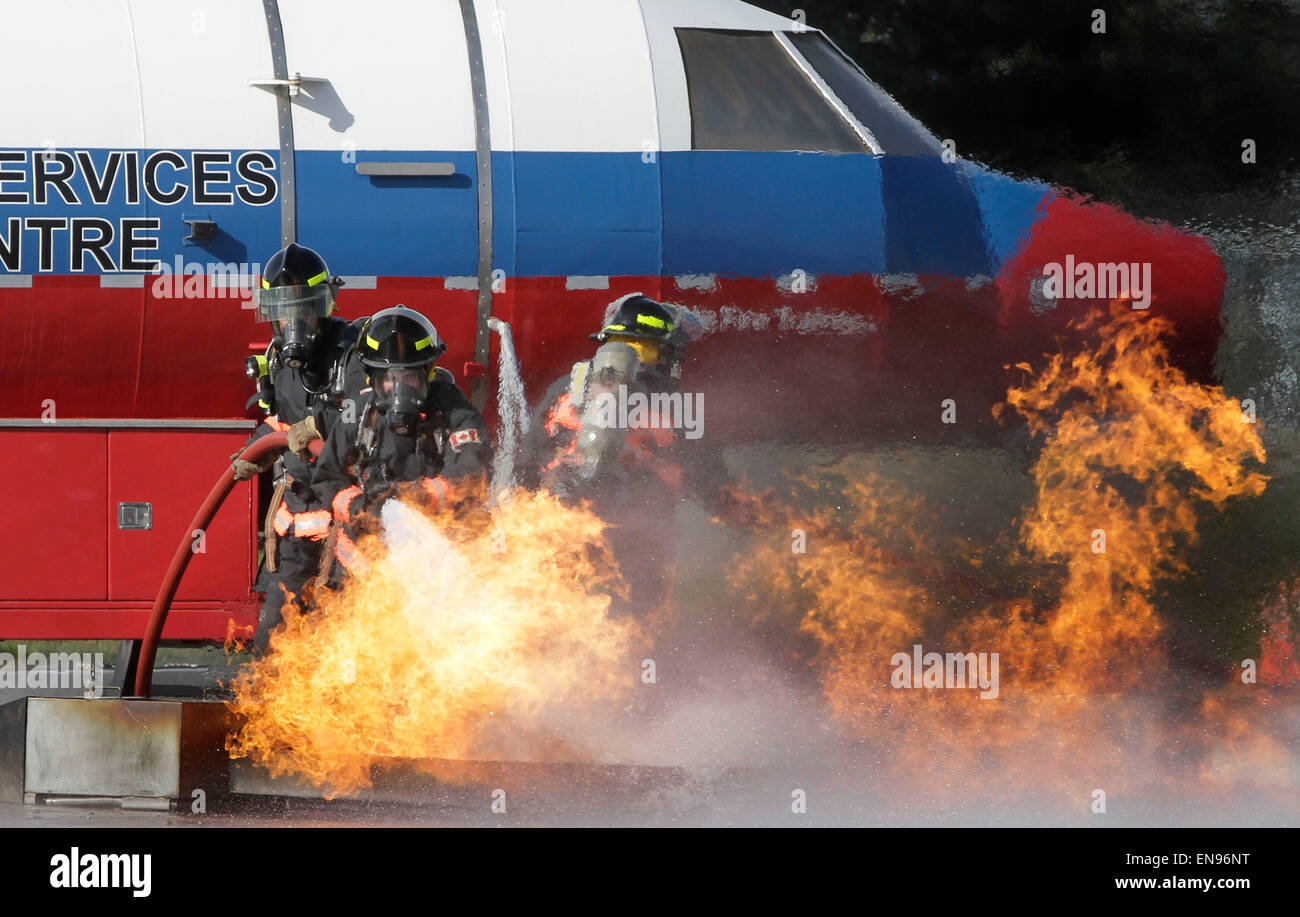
{"x":511,"y":406}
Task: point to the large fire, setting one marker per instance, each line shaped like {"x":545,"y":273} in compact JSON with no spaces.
{"x":473,"y":636}
{"x":487,"y":634}
{"x":1132,"y":456}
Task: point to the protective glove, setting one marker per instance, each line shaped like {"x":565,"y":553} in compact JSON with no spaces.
{"x":245,"y":470}
{"x":300,"y":434}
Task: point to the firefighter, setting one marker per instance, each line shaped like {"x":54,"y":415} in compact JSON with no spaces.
{"x":416,"y":435}
{"x":300,"y":383}
{"x":569,"y":449}
{"x":587,"y":452}
{"x":630,"y":468}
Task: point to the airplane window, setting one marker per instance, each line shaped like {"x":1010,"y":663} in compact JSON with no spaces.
{"x":748,"y":94}
{"x":894,"y":129}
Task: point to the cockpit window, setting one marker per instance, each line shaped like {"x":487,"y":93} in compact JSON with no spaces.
{"x":747,"y":93}
{"x":894,"y":129}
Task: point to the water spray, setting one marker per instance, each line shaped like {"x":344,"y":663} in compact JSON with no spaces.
{"x":513,"y":409}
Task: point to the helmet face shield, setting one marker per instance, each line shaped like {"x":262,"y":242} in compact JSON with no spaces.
{"x":295,"y":313}
{"x":295,"y":303}
{"x":647,"y":351}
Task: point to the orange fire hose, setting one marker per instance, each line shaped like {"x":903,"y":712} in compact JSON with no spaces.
{"x":272,"y":442}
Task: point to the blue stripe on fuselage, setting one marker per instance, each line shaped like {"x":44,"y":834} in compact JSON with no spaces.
{"x":932,"y":221}
{"x":1009,"y":208}
{"x":389,"y":226}
{"x":765,"y":214}
{"x":730,"y":213}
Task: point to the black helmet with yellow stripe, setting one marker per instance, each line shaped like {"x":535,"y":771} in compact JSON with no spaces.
{"x":637,"y":316}
{"x":399,"y":337}
{"x":399,"y":347}
{"x":649,"y":327}
{"x":296,"y":295}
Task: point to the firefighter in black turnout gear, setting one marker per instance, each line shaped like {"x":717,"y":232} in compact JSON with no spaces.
{"x":633,"y":470}
{"x":416,"y":435}
{"x":300,"y":384}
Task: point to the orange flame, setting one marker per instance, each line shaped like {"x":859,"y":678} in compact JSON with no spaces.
{"x":1132,"y":453}
{"x":487,"y":634}
{"x":1132,"y":448}
{"x":473,"y":637}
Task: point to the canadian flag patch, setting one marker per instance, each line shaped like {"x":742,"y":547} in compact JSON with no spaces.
{"x":461,"y":437}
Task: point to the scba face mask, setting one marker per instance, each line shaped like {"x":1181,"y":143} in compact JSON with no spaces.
{"x":400,"y":393}
{"x":298,"y":341}
{"x":295,"y":313}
